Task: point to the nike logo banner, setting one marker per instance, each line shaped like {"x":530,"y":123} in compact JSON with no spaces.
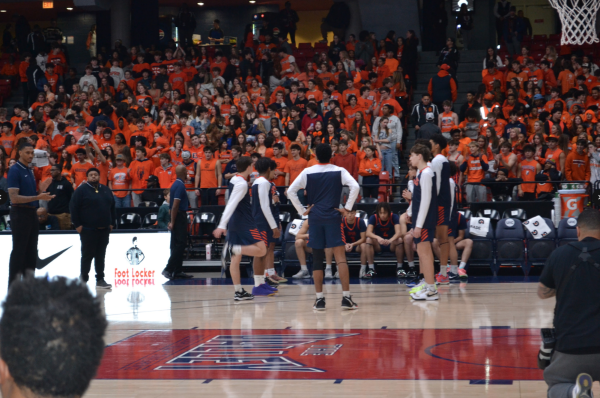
{"x":41,"y":263}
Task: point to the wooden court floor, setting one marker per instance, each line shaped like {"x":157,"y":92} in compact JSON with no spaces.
{"x":479,"y":339}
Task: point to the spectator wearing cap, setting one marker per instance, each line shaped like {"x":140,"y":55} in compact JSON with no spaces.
{"x":442,"y":87}
{"x":538,"y":102}
{"x":189,"y":182}
{"x":94,"y":217}
{"x":429,"y":129}
{"x":153,"y":193}
{"x":62,"y":189}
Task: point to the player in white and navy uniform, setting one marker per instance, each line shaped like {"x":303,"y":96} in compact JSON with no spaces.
{"x":324,"y":183}
{"x":268,"y":225}
{"x":441,"y":168}
{"x":424,"y":216}
{"x":271,"y":276}
{"x":243,"y":237}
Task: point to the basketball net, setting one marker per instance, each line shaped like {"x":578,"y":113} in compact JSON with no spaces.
{"x":578,"y":20}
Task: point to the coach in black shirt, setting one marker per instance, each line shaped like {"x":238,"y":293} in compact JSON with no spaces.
{"x":62,"y":189}
{"x":93,"y":215}
{"x":572,"y":274}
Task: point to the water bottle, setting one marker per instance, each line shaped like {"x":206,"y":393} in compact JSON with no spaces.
{"x":208,"y":251}
{"x":557,"y":212}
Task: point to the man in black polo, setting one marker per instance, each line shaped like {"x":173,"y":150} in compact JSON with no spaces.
{"x":572,"y":274}
{"x":62,"y":189}
{"x":178,"y":226}
{"x":94,"y":216}
{"x":23,"y":217}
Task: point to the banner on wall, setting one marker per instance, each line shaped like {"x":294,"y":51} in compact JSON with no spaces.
{"x":133,"y":260}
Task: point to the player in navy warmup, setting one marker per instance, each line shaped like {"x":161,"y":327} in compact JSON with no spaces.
{"x":441,"y":168}
{"x":323,"y":183}
{"x":424,"y":212}
{"x":271,"y":276}
{"x":355,"y":238}
{"x":243,"y":237}
{"x":266,"y":220}
{"x":383,"y":235}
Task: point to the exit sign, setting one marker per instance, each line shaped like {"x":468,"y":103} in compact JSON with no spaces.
{"x":48,"y":4}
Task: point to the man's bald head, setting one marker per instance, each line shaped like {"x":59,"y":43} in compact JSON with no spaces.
{"x":181,"y":172}
{"x":42,"y":214}
{"x":588,"y":224}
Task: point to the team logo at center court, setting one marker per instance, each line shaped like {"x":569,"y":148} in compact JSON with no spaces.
{"x":254,"y":353}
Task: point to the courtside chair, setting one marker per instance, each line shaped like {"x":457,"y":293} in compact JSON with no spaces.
{"x":483,"y":248}
{"x":567,"y":231}
{"x":538,"y":250}
{"x":510,"y":243}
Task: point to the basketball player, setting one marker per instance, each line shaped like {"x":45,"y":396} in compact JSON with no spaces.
{"x":441,"y":168}
{"x":355,"y":237}
{"x":268,"y":224}
{"x":323,"y":183}
{"x":271,"y":276}
{"x":243,"y":237}
{"x":383,"y":235}
{"x":424,"y":215}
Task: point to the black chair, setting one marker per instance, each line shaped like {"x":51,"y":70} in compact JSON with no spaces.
{"x":483,"y":248}
{"x":150,"y":221}
{"x":567,"y":231}
{"x":510,"y":246}
{"x":204,"y":225}
{"x":363,"y":215}
{"x":538,"y":250}
{"x":466,"y":213}
{"x":492,"y":214}
{"x":284,"y":218}
{"x":369,"y":201}
{"x":148,"y":204}
{"x":519,"y":214}
{"x":130,"y":221}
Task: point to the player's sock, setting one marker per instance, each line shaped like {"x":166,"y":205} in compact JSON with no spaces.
{"x":371,"y":266}
{"x":363,"y":268}
{"x":271,"y":271}
{"x":238,"y":288}
{"x":399,"y":265}
{"x":454,"y":269}
{"x":320,"y":295}
{"x":411,"y":264}
{"x":431,"y":287}
{"x":258,"y":280}
{"x":304,"y":268}
{"x":443,"y":270}
{"x":327,"y":266}
{"x":463,"y":265}
{"x":346,"y":294}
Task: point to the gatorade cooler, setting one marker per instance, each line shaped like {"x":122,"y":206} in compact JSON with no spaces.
{"x":572,"y":202}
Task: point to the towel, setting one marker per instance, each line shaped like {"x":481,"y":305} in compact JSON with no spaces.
{"x":295,"y":227}
{"x":480,"y":226}
{"x":538,"y":227}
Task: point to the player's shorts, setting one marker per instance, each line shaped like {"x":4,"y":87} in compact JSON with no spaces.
{"x":443,"y":215}
{"x":246,"y":237}
{"x":427,"y":235}
{"x":384,"y":249}
{"x":325,"y":236}
{"x":354,"y":248}
{"x":453,"y":226}
{"x":269,"y":234}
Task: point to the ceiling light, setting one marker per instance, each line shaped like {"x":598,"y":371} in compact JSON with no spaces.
{"x":200,"y":4}
{"x":70,"y":8}
{"x":2,"y":10}
{"x":252,"y":1}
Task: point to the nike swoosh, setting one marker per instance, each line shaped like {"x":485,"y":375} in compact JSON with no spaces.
{"x":39,"y":264}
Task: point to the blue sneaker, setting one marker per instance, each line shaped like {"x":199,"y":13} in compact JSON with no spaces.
{"x":262,"y":290}
{"x":272,"y":288}
{"x":453,"y":277}
{"x":416,"y":281}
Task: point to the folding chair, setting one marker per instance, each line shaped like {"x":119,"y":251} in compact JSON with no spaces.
{"x":483,"y":248}
{"x":515,"y":213}
{"x":567,"y":231}
{"x":130,"y":221}
{"x":538,"y":250}
{"x":149,"y":221}
{"x":510,"y":246}
{"x":148,"y":204}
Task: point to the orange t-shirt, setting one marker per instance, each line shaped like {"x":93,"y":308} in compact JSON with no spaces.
{"x":139,"y":171}
{"x":78,"y":172}
{"x":119,"y":177}
{"x":208,"y":176}
{"x":566,"y":80}
{"x":528,"y":172}
{"x":294,"y":168}
{"x":166,"y":177}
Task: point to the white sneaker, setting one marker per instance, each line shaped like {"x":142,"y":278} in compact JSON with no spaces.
{"x":328,"y":273}
{"x":417,"y":288}
{"x":583,"y":386}
{"x":426,"y":294}
{"x":362,"y":273}
{"x":337,"y":275}
{"x":302,"y":275}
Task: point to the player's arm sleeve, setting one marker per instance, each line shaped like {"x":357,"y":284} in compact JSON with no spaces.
{"x":452,"y":195}
{"x":263,"y":197}
{"x":426,"y":188}
{"x":237,"y":194}
{"x":436,"y":166}
{"x":350,"y":182}
{"x":299,"y":183}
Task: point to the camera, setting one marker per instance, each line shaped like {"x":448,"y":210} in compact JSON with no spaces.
{"x":547,"y":348}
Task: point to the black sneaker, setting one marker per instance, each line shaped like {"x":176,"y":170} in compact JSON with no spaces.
{"x":243,"y":295}
{"x":401,"y":273}
{"x":412,"y":272}
{"x":370,"y":274}
{"x":348,"y":304}
{"x":319,"y":304}
{"x":101,"y":284}
{"x":271,"y":282}
{"x":167,"y":274}
{"x":181,"y":275}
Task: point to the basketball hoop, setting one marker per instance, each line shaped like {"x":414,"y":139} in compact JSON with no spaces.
{"x":578,"y":20}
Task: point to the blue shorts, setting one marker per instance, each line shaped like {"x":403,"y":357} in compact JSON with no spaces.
{"x":246,"y":237}
{"x":354,"y":248}
{"x":453,"y":226}
{"x":427,"y":235}
{"x":268,"y":232}
{"x":325,"y":236}
{"x":443,"y":215}
{"x":385,"y":248}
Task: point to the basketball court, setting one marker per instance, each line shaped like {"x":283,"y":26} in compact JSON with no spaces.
{"x":189,"y":338}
